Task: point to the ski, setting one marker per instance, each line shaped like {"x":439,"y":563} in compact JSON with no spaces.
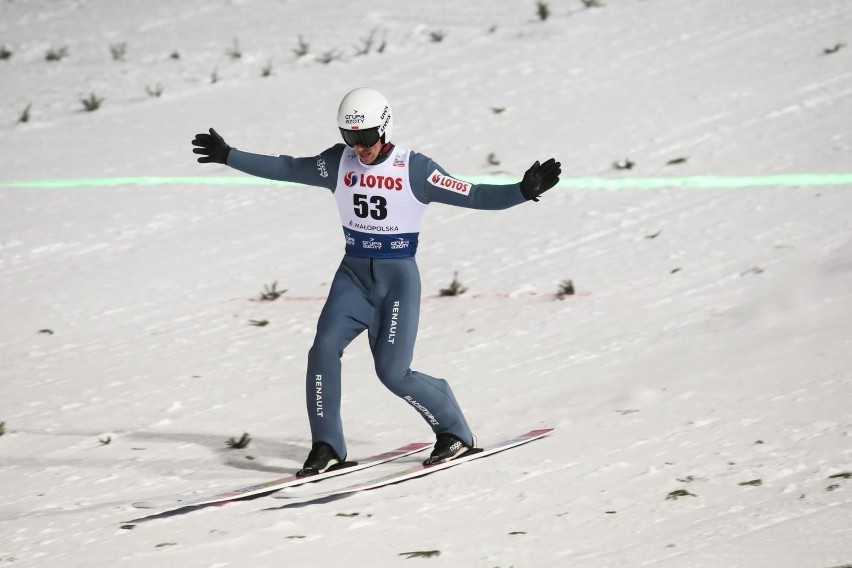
{"x":418,"y":470}
{"x":289,"y":481}
{"x":181,"y":507}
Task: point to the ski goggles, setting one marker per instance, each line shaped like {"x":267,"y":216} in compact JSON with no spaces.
{"x":366,"y":137}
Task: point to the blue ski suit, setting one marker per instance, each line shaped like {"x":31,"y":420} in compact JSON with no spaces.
{"x":377,"y":285}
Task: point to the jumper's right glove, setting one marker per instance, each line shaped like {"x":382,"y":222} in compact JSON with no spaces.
{"x":212,"y":147}
{"x":539,"y":178}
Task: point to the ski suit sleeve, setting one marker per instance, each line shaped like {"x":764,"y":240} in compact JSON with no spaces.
{"x":320,"y":170}
{"x":431,"y":183}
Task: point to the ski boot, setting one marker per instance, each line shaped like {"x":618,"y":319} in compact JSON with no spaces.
{"x":448,"y":447}
{"x":321,"y":458}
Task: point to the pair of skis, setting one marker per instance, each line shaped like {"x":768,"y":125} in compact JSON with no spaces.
{"x":178,"y":507}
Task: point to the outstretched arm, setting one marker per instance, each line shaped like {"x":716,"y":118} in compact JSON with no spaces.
{"x":319,"y":170}
{"x":431,"y":183}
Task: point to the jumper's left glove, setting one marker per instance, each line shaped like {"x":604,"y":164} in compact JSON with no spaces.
{"x":540,"y":177}
{"x":212,"y":147}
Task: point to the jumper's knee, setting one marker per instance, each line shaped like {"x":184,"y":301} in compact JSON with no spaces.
{"x":325,"y":347}
{"x":393,"y":378}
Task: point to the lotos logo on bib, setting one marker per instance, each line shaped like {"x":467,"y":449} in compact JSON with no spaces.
{"x":372,"y":181}
{"x":438,"y":179}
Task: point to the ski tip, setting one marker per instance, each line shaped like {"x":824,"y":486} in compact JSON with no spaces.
{"x":147,"y":505}
{"x":540,"y":432}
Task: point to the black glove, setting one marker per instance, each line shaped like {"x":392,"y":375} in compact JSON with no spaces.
{"x":540,"y":177}
{"x":212,"y":147}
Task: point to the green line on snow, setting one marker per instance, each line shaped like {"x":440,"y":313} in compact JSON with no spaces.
{"x":145,"y":180}
{"x":789,"y":180}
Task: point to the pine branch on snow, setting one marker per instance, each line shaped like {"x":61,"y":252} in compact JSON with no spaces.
{"x":239,"y":444}
{"x":455,"y":288}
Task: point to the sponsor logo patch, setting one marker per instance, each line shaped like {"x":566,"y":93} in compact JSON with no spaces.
{"x":400,"y":244}
{"x":321,"y":167}
{"x":438,"y":179}
{"x":371,"y":181}
{"x":429,"y":416}
{"x":356,"y":118}
{"x":385,"y":118}
{"x":394,"y":320}
{"x":318,"y":386}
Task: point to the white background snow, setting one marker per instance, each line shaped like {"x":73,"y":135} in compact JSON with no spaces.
{"x":709,"y":345}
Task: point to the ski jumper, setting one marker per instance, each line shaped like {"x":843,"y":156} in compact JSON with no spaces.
{"x":377,"y":285}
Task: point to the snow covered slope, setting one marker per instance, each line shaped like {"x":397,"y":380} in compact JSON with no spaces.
{"x":699,"y":379}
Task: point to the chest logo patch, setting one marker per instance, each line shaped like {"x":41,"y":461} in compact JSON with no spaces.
{"x":351,"y":179}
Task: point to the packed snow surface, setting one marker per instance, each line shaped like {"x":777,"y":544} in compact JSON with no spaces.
{"x":698,"y":379}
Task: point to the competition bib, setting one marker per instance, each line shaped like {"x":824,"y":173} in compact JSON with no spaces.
{"x":381,"y":217}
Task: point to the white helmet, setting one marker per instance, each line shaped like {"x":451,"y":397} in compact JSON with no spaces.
{"x":365,"y":117}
